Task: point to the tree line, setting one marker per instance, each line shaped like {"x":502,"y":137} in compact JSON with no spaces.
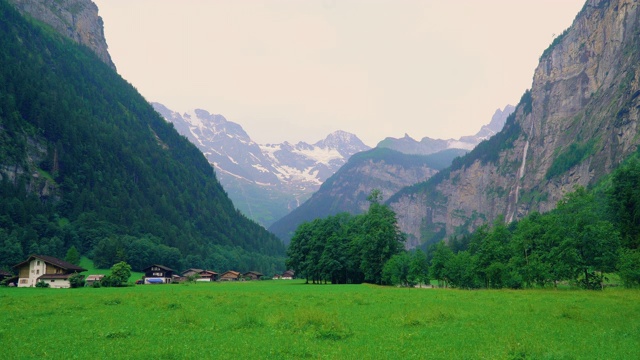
{"x":347,"y":249}
{"x":592,"y":234}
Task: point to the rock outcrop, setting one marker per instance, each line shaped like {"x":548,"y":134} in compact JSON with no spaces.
{"x":76,"y":19}
{"x":576,"y":124}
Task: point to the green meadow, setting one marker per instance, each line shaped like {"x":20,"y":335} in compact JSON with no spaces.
{"x":291,"y":320}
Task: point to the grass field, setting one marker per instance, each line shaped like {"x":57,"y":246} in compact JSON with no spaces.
{"x":91,"y":270}
{"x":291,"y":320}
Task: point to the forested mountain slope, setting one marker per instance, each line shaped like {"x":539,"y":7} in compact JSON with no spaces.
{"x":85,"y":161}
{"x":576,"y":124}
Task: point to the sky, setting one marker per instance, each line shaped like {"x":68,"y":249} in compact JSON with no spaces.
{"x":297,"y":70}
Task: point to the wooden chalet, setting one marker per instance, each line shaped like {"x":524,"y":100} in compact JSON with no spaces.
{"x":230,"y":276}
{"x":207,"y":275}
{"x":288,"y":275}
{"x":157,"y":274}
{"x":252,"y":275}
{"x":190,"y":272}
{"x":48,"y":269}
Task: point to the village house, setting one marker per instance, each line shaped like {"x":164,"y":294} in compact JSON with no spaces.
{"x":252,"y":275}
{"x":230,"y":276}
{"x":288,"y":275}
{"x":157,"y":274}
{"x":48,"y":269}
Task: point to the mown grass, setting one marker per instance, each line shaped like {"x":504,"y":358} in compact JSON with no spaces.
{"x":290,"y":320}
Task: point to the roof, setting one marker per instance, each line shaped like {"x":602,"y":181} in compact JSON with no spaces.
{"x":4,"y":273}
{"x":191,"y":270}
{"x":230,"y":272}
{"x":254,"y":273}
{"x":208,"y":272}
{"x":94,"y":277}
{"x":160,"y":266}
{"x":55,"y":276}
{"x":53,"y":261}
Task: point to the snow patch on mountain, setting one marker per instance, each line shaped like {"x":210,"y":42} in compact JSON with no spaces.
{"x":292,"y":170}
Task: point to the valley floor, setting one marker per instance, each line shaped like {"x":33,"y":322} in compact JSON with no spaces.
{"x":291,"y":320}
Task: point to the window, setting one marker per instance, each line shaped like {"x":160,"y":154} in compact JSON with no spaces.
{"x":38,"y":262}
{"x":53,"y":280}
{"x":23,"y":281}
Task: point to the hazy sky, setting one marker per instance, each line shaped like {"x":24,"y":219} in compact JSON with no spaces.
{"x":300,"y":69}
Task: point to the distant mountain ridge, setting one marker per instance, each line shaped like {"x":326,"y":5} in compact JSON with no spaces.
{"x":428,"y":145}
{"x":347,"y":190}
{"x":265,"y":181}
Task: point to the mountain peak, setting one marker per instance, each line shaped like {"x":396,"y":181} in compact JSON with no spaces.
{"x":340,"y":140}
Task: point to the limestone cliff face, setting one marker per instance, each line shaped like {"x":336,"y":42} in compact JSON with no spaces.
{"x":576,"y":124}
{"x":75,"y":19}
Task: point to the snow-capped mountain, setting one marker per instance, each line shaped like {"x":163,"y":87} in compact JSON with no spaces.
{"x":265,"y":181}
{"x":428,"y":145}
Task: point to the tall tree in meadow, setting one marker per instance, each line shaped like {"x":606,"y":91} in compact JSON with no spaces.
{"x":381,"y":240}
{"x":590,"y":245}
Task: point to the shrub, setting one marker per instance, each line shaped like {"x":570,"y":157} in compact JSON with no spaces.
{"x":42,"y":284}
{"x":76,"y":280}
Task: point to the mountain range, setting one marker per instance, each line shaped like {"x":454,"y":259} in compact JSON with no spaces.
{"x":265,"y":181}
{"x":428,"y":145}
{"x":391,"y":166}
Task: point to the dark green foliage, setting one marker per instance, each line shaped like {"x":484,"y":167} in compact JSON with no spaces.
{"x":73,"y":256}
{"x":406,"y":269}
{"x":578,"y":242}
{"x":570,"y":157}
{"x":42,"y":284}
{"x":624,"y":201}
{"x":346,"y":249}
{"x":118,"y":170}
{"x":118,"y":276}
{"x":76,"y":280}
{"x":629,"y":267}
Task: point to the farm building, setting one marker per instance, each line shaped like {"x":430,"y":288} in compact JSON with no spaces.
{"x":91,"y":279}
{"x":252,"y":275}
{"x":48,"y":269}
{"x":230,"y":276}
{"x":157,"y":274}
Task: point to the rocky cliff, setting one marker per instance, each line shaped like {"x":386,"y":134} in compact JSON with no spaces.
{"x":75,"y":19}
{"x":576,"y":124}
